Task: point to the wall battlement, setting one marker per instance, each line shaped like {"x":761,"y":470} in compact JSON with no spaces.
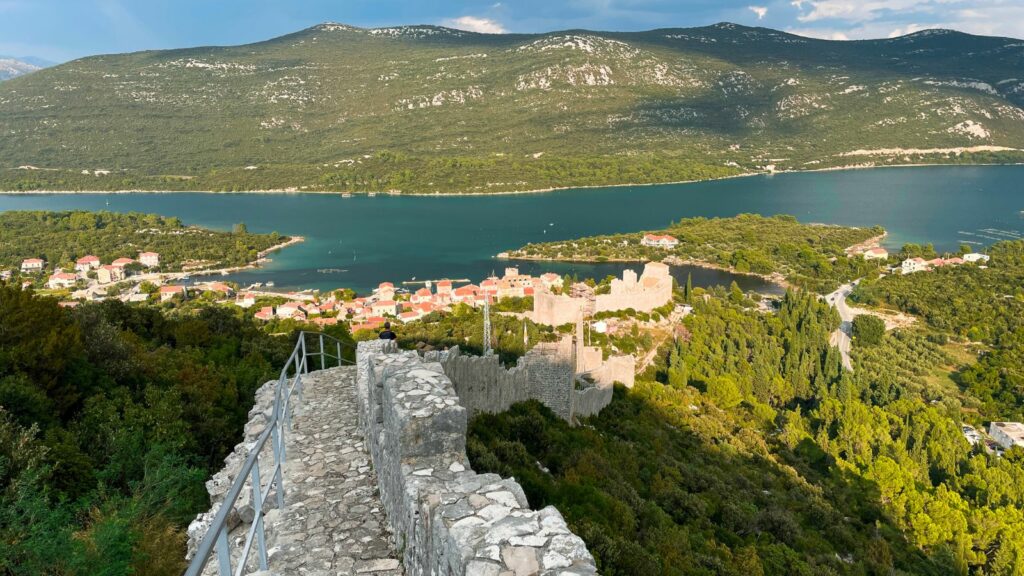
{"x":447,"y":519}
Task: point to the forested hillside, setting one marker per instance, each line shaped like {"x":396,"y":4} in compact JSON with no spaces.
{"x":62,"y":237}
{"x":748,"y":450}
{"x":111,"y":420}
{"x":424,"y":109}
{"x":984,"y":305}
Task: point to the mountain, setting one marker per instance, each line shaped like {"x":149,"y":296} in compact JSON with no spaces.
{"x":431,"y":109}
{"x":12,"y":67}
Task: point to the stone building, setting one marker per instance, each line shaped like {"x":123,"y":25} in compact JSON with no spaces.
{"x":650,"y":290}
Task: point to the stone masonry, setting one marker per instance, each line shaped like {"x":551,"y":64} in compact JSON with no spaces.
{"x":448,"y":520}
{"x":333,"y":522}
{"x":545,"y":374}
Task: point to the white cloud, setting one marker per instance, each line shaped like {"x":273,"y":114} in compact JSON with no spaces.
{"x":759,"y":10}
{"x":890,"y":18}
{"x":476,"y":24}
{"x":822,"y":33}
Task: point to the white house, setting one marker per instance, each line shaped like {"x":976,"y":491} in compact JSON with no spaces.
{"x":385,"y":307}
{"x":876,"y":254}
{"x":975,"y":257}
{"x":1007,"y":434}
{"x":149,"y":259}
{"x":169,"y":292}
{"x":87,"y":263}
{"x":246,"y":300}
{"x":659,"y":241}
{"x":32,"y":265}
{"x":61,"y":280}
{"x":911,"y":265}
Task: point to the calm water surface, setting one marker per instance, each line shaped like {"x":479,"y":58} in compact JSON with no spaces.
{"x":405,"y":237}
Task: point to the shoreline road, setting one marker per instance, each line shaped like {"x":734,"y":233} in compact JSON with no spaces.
{"x":842,"y":337}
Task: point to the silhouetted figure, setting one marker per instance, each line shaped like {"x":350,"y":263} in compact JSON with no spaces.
{"x":387,"y":333}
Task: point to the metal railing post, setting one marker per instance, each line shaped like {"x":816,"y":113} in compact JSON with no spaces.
{"x":223,"y":552}
{"x":275,"y":440}
{"x":257,"y":505}
{"x":305,"y":369}
{"x":216,"y":542}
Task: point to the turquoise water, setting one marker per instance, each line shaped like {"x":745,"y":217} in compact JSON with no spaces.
{"x":402,"y":237}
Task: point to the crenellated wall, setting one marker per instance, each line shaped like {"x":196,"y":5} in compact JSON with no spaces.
{"x":447,"y":519}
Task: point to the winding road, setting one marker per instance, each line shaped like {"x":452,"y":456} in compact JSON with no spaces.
{"x":842,"y":337}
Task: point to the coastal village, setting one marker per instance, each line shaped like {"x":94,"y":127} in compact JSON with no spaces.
{"x":555,"y":302}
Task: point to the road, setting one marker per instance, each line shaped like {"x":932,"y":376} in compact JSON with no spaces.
{"x":841,"y":338}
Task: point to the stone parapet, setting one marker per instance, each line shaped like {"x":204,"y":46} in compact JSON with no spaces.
{"x":447,"y":519}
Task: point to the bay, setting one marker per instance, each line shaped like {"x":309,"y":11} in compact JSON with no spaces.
{"x":360,"y":241}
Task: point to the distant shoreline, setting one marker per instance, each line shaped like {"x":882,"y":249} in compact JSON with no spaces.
{"x":849,"y":167}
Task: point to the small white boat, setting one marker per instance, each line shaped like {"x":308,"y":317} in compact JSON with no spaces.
{"x":346,"y":195}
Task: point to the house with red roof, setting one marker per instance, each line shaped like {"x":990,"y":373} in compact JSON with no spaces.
{"x":246,"y":300}
{"x":911,"y":265}
{"x":421,"y":295}
{"x":410,"y":316}
{"x":385,"y":291}
{"x":660,"y":241}
{"x":121,"y":262}
{"x":385,"y":307}
{"x":265,"y":313}
{"x":61,"y":280}
{"x":219,"y":287}
{"x":87,"y":263}
{"x":465,"y":293}
{"x":149,"y":259}
{"x":444,"y":288}
{"x":32,"y":265}
{"x":109,"y":273}
{"x":550,"y":280}
{"x":294,"y":310}
{"x":170,"y":292}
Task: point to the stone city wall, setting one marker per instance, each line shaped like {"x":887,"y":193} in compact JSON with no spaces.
{"x":555,"y":309}
{"x":241,"y":517}
{"x":447,"y":519}
{"x":591,"y":401}
{"x":482,"y":383}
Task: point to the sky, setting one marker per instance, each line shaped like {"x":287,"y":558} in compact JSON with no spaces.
{"x":61,"y":30}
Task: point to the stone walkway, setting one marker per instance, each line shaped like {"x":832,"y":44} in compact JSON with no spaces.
{"x":333,"y":522}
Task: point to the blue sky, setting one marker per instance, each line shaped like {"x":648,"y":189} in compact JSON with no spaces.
{"x":64,"y":29}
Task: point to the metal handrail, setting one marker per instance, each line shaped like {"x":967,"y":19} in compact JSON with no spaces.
{"x":277,"y":427}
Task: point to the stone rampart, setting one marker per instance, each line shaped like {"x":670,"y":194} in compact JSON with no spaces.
{"x":483,"y":384}
{"x":217,"y":487}
{"x":447,"y":519}
{"x":590,"y":401}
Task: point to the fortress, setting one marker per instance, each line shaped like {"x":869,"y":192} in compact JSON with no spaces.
{"x":651,"y":290}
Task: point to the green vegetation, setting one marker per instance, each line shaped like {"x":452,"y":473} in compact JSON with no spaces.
{"x":749,"y":450}
{"x":427,"y":109}
{"x":111,"y":419}
{"x":809,"y":255}
{"x":868,"y":330}
{"x":979,"y":305}
{"x":60,"y":238}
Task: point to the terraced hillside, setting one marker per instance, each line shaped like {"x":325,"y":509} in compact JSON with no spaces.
{"x":424,"y":109}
